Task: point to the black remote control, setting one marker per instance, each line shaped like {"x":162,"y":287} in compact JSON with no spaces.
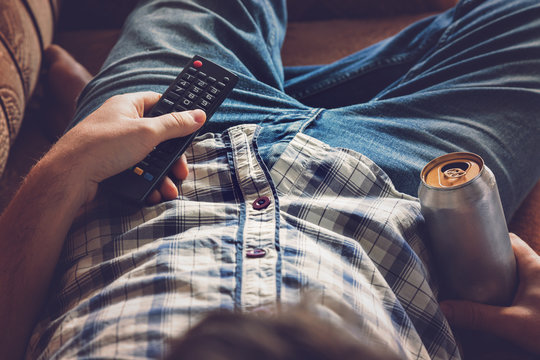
{"x":201,"y":85}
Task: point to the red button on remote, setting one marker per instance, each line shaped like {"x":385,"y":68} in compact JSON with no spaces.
{"x":197,"y":63}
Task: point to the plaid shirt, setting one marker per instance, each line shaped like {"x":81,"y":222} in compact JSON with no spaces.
{"x":323,"y":220}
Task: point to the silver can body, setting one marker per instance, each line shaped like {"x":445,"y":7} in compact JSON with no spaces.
{"x":469,"y":237}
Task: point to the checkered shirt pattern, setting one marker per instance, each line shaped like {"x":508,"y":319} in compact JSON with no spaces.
{"x":130,"y":280}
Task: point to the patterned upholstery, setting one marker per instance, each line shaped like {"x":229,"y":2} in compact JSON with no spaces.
{"x":26,"y":27}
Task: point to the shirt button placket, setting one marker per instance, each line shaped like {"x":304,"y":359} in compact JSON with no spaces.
{"x":259,"y":226}
{"x":260,"y":203}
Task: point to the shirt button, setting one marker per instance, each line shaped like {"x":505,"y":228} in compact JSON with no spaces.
{"x":255,"y":253}
{"x":261,"y":203}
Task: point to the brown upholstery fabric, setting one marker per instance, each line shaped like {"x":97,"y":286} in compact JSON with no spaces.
{"x":26,"y":27}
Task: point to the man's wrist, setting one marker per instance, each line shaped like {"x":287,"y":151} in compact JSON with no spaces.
{"x":33,"y":228}
{"x":63,"y":178}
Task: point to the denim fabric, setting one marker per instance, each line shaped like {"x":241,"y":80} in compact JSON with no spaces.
{"x":465,"y":80}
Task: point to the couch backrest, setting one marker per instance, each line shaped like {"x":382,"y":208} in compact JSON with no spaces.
{"x":26,"y":28}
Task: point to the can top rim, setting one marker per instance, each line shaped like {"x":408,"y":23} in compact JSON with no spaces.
{"x":434,"y":181}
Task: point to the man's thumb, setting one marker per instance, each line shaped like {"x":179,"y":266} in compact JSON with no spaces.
{"x":178,"y":124}
{"x":471,"y":315}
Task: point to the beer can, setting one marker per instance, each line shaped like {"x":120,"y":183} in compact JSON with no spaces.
{"x":467,"y":229}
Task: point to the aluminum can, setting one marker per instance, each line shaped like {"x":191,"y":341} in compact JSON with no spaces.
{"x":467,"y":229}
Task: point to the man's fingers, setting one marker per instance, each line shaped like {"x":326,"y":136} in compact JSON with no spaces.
{"x":154,"y":197}
{"x":522,"y":249}
{"x":149,"y":99}
{"x":168,"y":189}
{"x":143,"y":101}
{"x":528,"y":261}
{"x":475,"y":316}
{"x":180,"y":168}
{"x":178,"y":124}
{"x":518,"y":324}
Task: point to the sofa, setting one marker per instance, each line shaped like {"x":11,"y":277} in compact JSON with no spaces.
{"x":88,"y":30}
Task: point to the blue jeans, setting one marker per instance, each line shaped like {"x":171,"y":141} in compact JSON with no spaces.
{"x":465,"y":80}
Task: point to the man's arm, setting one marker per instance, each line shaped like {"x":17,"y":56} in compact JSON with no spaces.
{"x":34,"y":225}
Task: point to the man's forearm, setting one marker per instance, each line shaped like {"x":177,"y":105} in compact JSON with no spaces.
{"x":32,"y":231}
{"x":34,"y":225}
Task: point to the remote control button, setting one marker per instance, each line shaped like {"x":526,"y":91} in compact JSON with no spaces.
{"x":197,"y":63}
{"x":188,"y":77}
{"x":211,"y":80}
{"x":153,"y":170}
{"x":196,"y":90}
{"x":148,"y":176}
{"x":167,"y":103}
{"x":178,"y":90}
{"x":213,"y":90}
{"x":137,"y":170}
{"x":204,"y":103}
{"x":209,"y":97}
{"x":172,"y":96}
{"x":192,"y":70}
{"x":184,"y":84}
{"x":191,"y":96}
{"x":226,"y":79}
{"x":220,"y":85}
{"x":201,"y":84}
{"x":201,"y":75}
{"x":186,"y":103}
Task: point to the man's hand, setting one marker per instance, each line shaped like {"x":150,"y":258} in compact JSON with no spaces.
{"x":34,"y":225}
{"x":117,"y":135}
{"x":520,"y":322}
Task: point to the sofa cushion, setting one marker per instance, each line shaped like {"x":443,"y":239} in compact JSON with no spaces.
{"x":26,"y":27}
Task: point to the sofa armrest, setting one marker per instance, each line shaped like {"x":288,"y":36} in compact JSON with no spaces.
{"x":26,"y":28}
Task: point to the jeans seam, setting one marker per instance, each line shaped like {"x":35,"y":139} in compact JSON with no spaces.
{"x":272,"y":33}
{"x":461,"y":7}
{"x":314,"y":114}
{"x":322,"y":86}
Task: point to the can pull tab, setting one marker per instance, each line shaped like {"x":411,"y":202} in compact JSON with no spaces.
{"x":454,"y":173}
{"x":455,"y":170}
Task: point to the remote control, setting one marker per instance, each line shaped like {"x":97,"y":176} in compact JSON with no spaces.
{"x":201,"y":85}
